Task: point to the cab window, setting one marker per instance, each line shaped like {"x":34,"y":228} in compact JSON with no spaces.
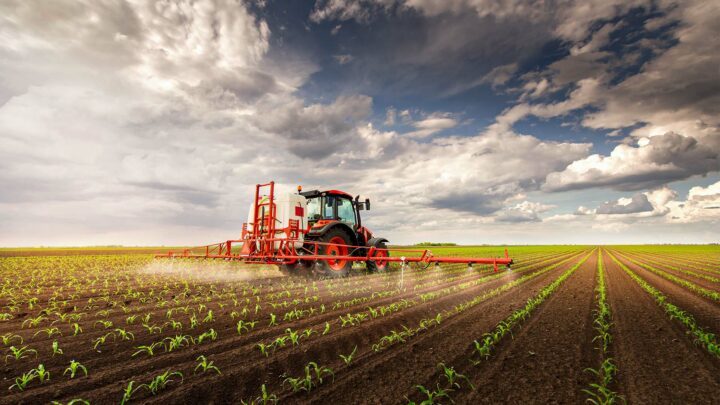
{"x":345,"y":210}
{"x":313,"y":209}
{"x":329,"y":207}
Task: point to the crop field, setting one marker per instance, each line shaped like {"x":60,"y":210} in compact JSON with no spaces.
{"x":568,"y":324}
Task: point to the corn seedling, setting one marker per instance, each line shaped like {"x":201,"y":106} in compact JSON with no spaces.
{"x":161,"y":381}
{"x":349,"y":358}
{"x":20,"y":353}
{"x":128,"y":392}
{"x":42,"y":374}
{"x":205,"y":365}
{"x":8,"y":338}
{"x":266,"y":398}
{"x":211,"y":335}
{"x":432,"y":397}
{"x":263,"y":349}
{"x":125,"y":335}
{"x":453,"y":377}
{"x":49,"y":331}
{"x":22,"y":381}
{"x":149,"y":350}
{"x":74,"y":367}
{"x":56,"y":348}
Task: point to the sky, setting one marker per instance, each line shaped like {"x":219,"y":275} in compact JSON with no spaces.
{"x":469,"y":121}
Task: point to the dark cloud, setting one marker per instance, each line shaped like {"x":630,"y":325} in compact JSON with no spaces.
{"x":638,"y":203}
{"x":316,"y":131}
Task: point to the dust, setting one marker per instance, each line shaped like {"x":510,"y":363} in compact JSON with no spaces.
{"x":210,"y":270}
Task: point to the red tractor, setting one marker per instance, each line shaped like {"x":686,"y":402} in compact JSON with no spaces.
{"x":333,"y":219}
{"x":316,"y":231}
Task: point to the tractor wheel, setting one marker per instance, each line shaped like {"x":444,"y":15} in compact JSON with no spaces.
{"x":338,"y":246}
{"x":378,"y":266}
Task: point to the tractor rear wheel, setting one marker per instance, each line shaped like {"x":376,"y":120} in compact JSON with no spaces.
{"x":378,"y":265}
{"x":337,"y":245}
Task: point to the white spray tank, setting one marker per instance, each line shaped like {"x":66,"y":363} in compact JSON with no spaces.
{"x":289,"y":206}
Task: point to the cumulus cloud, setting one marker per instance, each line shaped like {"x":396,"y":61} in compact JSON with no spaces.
{"x":317,"y":130}
{"x":652,"y":162}
{"x":637,"y":203}
{"x":525,"y":211}
{"x":432,"y":124}
{"x":702,"y":205}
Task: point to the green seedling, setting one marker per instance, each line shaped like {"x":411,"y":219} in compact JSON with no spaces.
{"x":74,"y":367}
{"x":205,"y":365}
{"x":348,"y":358}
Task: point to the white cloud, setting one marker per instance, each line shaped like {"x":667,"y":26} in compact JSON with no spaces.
{"x":702,"y":205}
{"x":525,"y":211}
{"x":653,"y":162}
{"x":432,"y":124}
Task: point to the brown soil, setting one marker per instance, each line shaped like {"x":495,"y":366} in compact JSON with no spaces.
{"x":543,"y":362}
{"x":658,"y":363}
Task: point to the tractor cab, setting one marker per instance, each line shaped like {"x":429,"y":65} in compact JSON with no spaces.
{"x":324,"y":207}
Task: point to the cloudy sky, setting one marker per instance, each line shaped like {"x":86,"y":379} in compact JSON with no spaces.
{"x":474,"y":121}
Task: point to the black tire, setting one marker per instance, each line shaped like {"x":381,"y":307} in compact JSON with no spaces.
{"x":338,"y":268}
{"x":378,"y":266}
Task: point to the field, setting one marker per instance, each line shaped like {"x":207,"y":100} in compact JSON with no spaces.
{"x":610,"y":324}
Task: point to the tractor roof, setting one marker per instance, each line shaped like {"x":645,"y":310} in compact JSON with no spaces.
{"x":316,"y":193}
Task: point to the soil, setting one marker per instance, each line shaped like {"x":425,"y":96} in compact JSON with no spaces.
{"x":542,"y":362}
{"x":657,"y":361}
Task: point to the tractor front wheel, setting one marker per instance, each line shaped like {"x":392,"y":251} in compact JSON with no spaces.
{"x":378,"y":265}
{"x":338,"y":243}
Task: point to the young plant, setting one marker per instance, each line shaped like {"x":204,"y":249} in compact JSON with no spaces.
{"x":74,"y":367}
{"x":453,"y":377}
{"x":161,"y":381}
{"x":211,"y":334}
{"x":149,"y":350}
{"x":266,"y":398}
{"x":263,"y":348}
{"x":348,"y":359}
{"x":206,"y":365}
{"x":41,"y":373}
{"x":127,"y":394}
{"x":432,"y":397}
{"x":56,"y":348}
{"x":22,"y":381}
{"x":20,"y":353}
{"x":9,"y":337}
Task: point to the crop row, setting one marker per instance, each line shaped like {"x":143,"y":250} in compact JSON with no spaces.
{"x":600,"y":392}
{"x":706,"y":339}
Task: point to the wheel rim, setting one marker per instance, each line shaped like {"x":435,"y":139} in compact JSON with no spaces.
{"x":380,"y":264}
{"x":337,"y":247}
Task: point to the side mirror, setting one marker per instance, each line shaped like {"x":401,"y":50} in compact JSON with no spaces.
{"x":367,"y":204}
